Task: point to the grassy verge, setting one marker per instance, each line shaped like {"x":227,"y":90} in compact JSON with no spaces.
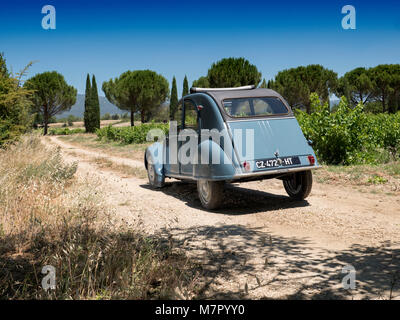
{"x":385,"y":176}
{"x":123,"y":169}
{"x":65,"y":131}
{"x":50,"y":217}
{"x":91,"y":142}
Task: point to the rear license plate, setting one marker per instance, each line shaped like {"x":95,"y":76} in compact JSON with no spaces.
{"x":277,"y":162}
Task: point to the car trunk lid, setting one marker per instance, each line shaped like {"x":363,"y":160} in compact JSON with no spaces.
{"x":260,"y":139}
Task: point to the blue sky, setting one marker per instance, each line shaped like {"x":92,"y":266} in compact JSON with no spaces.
{"x":177,"y":38}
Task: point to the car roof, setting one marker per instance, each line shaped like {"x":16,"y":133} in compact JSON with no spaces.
{"x":220,"y":95}
{"x":252,"y":93}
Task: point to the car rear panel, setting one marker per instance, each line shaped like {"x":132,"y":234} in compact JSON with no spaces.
{"x":273,"y":138}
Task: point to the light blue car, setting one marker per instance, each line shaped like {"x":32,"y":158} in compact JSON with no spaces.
{"x":233,"y":134}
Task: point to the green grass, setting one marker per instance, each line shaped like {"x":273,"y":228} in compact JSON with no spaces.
{"x":65,"y":131}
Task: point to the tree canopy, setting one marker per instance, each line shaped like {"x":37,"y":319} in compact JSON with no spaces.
{"x":15,"y":106}
{"x":92,"y":106}
{"x":95,"y":103}
{"x":263,"y":84}
{"x":374,"y":86}
{"x":87,"y":114}
{"x":3,"y":67}
{"x":185,"y":90}
{"x":52,"y":95}
{"x":356,"y":85}
{"x":386,"y":85}
{"x":137,"y":91}
{"x":173,"y":104}
{"x":201,"y":82}
{"x":230,"y":72}
{"x":296,"y":84}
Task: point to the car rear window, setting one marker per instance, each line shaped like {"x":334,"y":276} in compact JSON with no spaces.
{"x":254,"y":107}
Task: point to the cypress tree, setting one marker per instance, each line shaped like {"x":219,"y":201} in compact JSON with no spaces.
{"x":173,"y":106}
{"x":264,"y":84}
{"x":86,"y":115}
{"x":95,"y":105}
{"x":185,"y":87}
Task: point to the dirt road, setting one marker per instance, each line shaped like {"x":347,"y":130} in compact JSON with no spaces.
{"x":262,"y":244}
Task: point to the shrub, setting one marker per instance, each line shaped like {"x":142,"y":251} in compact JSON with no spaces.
{"x":48,"y":217}
{"x":128,"y":135}
{"x":15,"y":118}
{"x":64,"y":131}
{"x":350,"y":136}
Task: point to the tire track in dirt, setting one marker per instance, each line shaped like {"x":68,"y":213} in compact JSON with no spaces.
{"x":262,"y":244}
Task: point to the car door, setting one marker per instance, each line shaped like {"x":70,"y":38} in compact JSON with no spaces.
{"x":190,"y":121}
{"x":172,"y":143}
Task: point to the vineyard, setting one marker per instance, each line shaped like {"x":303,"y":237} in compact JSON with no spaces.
{"x":128,"y":135}
{"x":347,"y":136}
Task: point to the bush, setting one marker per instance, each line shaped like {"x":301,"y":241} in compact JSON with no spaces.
{"x":128,"y":135}
{"x":350,"y":136}
{"x":15,"y":117}
{"x":106,"y":116}
{"x":64,"y":131}
{"x":50,"y":217}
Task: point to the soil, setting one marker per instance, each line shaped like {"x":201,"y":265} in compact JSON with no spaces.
{"x":262,"y":244}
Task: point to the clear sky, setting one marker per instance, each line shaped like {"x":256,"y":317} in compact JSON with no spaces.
{"x":184,"y":38}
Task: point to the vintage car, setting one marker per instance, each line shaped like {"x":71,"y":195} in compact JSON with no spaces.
{"x":233,"y":135}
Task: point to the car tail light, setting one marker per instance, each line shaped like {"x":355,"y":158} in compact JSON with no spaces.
{"x":311,"y":159}
{"x":246,"y":166}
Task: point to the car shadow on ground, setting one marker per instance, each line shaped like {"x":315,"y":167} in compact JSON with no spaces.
{"x":237,"y":200}
{"x":238,"y":262}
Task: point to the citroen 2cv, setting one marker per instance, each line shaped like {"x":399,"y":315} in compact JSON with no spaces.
{"x":232,"y":135}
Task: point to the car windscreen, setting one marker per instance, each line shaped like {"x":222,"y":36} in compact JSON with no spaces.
{"x":254,"y":107}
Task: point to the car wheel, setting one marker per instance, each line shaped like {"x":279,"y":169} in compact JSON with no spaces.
{"x":298,"y":185}
{"x":151,"y":174}
{"x":210,"y":193}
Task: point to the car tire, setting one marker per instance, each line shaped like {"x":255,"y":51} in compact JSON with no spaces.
{"x":210,"y":193}
{"x":151,"y":174}
{"x":298,"y":185}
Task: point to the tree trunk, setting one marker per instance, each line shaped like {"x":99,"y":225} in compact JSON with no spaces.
{"x":308,"y":108}
{"x":383,"y":102}
{"x":45,"y":120}
{"x":132,"y":118}
{"x":142,"y":117}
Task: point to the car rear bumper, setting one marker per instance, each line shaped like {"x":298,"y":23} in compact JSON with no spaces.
{"x":274,"y":172}
{"x":247,"y":175}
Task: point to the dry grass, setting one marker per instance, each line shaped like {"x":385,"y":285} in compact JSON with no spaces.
{"x":80,"y":124}
{"x":90,"y":142}
{"x":378,"y":178}
{"x":125,"y":170}
{"x":49,"y":217}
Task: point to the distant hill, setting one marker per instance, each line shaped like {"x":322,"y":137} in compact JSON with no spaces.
{"x":79,"y":107}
